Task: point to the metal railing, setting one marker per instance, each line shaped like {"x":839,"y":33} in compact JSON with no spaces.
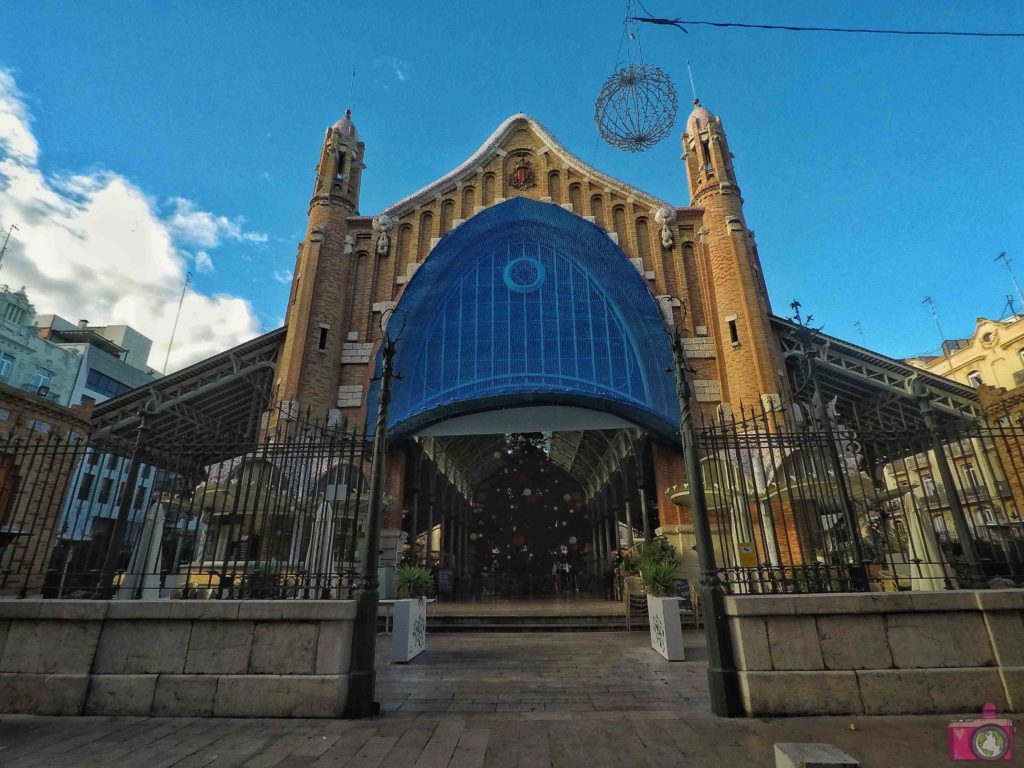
{"x":804,"y":506}
{"x":278,"y":515}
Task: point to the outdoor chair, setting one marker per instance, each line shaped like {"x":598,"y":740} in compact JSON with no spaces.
{"x":635,"y":601}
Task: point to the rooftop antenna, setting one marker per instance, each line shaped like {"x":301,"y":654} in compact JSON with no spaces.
{"x":3,"y":250}
{"x":1007,"y":261}
{"x":693,"y":88}
{"x":174,"y":330}
{"x":860,"y":332}
{"x":351,"y":88}
{"x":930,"y":302}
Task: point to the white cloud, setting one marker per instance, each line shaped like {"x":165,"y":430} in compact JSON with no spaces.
{"x":203,"y":262}
{"x":399,"y":68}
{"x":283,"y":276}
{"x":95,"y":246}
{"x":197,"y":227}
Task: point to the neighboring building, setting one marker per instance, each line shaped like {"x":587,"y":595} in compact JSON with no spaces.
{"x":39,"y":446}
{"x":993,"y":355}
{"x":28,"y":362}
{"x":112,"y":357}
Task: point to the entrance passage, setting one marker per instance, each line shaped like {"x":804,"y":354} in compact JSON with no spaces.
{"x":529,"y":515}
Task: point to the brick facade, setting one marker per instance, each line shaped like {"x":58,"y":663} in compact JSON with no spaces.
{"x":700,"y":262}
{"x":36,"y":464}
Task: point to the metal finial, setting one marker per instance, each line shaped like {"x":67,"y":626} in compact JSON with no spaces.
{"x":693,"y":88}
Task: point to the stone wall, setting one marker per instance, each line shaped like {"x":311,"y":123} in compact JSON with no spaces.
{"x":273,"y":658}
{"x":879,"y":653}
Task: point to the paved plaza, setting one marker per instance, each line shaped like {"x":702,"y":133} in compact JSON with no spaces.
{"x":590,"y":699}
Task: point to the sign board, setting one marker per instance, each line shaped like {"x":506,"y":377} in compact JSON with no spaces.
{"x":747,"y":553}
{"x":445,"y":581}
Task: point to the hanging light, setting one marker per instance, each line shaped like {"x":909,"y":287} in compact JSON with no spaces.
{"x":637,"y":105}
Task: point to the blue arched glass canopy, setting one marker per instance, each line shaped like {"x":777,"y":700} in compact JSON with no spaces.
{"x":527,"y":304}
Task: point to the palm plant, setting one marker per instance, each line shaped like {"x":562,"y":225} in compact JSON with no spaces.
{"x":413,"y":581}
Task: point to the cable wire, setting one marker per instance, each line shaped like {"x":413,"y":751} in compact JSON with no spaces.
{"x":678,"y":24}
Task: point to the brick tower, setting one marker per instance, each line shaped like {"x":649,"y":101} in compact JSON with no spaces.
{"x":750,"y":367}
{"x":307,"y":375}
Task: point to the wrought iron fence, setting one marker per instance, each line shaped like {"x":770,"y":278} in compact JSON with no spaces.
{"x":799,"y":502}
{"x":279,"y":515}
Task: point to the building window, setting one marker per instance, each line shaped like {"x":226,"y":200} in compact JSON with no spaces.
{"x":102,"y":384}
{"x":105,"y":486}
{"x":1020,"y":354}
{"x":971,"y":476}
{"x":38,"y":426}
{"x":85,"y":488}
{"x":14,"y":313}
{"x":974,"y":379}
{"x":41,"y":378}
{"x":6,"y":366}
{"x":322,"y":344}
{"x":734,"y":334}
{"x":928,"y":485}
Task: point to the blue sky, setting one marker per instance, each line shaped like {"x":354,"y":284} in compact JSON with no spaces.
{"x":875,"y":169}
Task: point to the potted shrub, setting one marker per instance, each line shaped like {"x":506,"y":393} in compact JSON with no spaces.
{"x":659,"y":579}
{"x":409,"y":622}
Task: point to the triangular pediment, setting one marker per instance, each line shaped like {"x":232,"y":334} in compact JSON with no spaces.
{"x":522,"y":136}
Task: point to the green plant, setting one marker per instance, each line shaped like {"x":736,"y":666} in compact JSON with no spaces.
{"x":659,"y":550}
{"x":658,"y":576}
{"x":413,"y":581}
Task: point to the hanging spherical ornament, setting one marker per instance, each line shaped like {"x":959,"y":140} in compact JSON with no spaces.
{"x":474,"y":536}
{"x":572,"y":539}
{"x":636,"y":108}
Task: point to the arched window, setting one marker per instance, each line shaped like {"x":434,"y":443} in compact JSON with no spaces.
{"x":404,"y":241}
{"x":488,"y":188}
{"x":619,"y":224}
{"x":468,"y":201}
{"x":974,"y":379}
{"x":447,"y":215}
{"x":555,"y":187}
{"x":426,"y":233}
{"x":576,"y":198}
{"x":597,"y":210}
{"x":643,"y":239}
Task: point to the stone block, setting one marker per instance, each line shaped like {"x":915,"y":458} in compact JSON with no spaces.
{"x":219,"y":648}
{"x":951,"y":600}
{"x":1013,"y":685}
{"x":50,"y":647}
{"x":750,"y":642}
{"x":120,"y":695}
{"x":334,"y":648}
{"x":1006,"y":634}
{"x":84,"y":610}
{"x":142,"y":647}
{"x":966,"y":690}
{"x":139,"y":609}
{"x":207,"y":610}
{"x":833,"y":604}
{"x":922,"y":640}
{"x":31,"y":694}
{"x":856,"y":641}
{"x":283,"y":648}
{"x":811,"y":755}
{"x":280,"y":696}
{"x":895,"y":692}
{"x":762,"y":605}
{"x":800,"y":693}
{"x":1000,"y":599}
{"x":185,"y":695}
{"x":793,"y":641}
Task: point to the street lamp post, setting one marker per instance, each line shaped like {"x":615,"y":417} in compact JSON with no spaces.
{"x":362,"y":673}
{"x":723,"y":680}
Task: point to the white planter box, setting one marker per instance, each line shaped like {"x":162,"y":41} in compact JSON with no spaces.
{"x":408,"y":629}
{"x":666,"y":627}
